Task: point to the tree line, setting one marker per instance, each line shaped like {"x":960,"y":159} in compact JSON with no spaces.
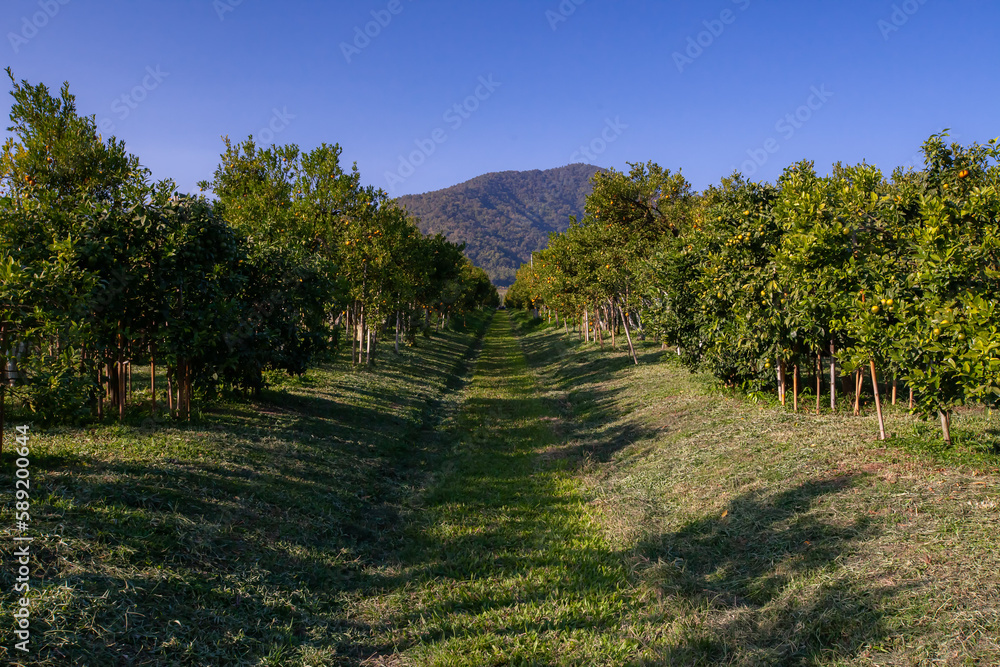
{"x":291,"y":260}
{"x":856,"y":276}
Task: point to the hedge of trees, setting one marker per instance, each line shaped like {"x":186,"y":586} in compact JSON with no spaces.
{"x":293,"y":258}
{"x":890,"y":279}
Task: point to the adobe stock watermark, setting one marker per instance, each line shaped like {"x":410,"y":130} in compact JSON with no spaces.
{"x":124,"y":105}
{"x":787,"y":126}
{"x":30,"y":25}
{"x":22,"y":518}
{"x":280,"y":120}
{"x":455,"y":116}
{"x":381,"y":19}
{"x":612,"y":130}
{"x":900,"y":16}
{"x":562,"y":13}
{"x":223,"y":7}
{"x":698,"y":44}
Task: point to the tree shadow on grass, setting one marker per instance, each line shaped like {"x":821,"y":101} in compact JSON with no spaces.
{"x":587,"y":399}
{"x":768,"y":581}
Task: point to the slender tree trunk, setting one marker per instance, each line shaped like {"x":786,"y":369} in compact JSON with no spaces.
{"x":795,"y":388}
{"x":397,"y":332}
{"x":368,"y":346}
{"x":100,"y":390}
{"x":152,"y":378}
{"x":819,"y":379}
{"x":945,"y":426}
{"x":833,"y":377}
{"x":170,"y":391}
{"x":878,"y":403}
{"x":351,"y":327}
{"x":613,"y":327}
{"x":628,"y":335}
{"x":781,"y":380}
{"x":859,"y":385}
{"x":895,"y":389}
{"x":911,"y":398}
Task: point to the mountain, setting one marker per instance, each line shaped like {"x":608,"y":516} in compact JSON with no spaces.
{"x":504,"y":216}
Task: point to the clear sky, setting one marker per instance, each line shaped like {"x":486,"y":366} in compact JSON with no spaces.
{"x":706,"y":87}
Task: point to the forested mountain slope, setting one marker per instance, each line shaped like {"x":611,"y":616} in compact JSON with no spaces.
{"x":503,"y":217}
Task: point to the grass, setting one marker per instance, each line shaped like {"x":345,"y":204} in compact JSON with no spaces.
{"x":239,"y":537}
{"x":533,"y":500}
{"x":506,"y":564}
{"x":759,"y":536}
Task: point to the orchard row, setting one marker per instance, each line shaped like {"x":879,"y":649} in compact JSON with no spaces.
{"x":883,"y":277}
{"x":292,"y":259}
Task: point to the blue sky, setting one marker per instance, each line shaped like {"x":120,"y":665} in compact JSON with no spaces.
{"x":438,"y":92}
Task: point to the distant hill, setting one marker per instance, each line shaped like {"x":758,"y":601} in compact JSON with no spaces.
{"x":505,"y":216}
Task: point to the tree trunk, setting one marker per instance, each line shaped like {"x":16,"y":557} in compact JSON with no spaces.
{"x":612,"y":320}
{"x":781,"y":380}
{"x":833,"y":378}
{"x":878,"y":403}
{"x":170,"y":391}
{"x":859,"y":384}
{"x":819,"y":379}
{"x":351,"y":331}
{"x":152,"y":378}
{"x":628,"y":335}
{"x":795,"y":388}
{"x":397,"y":332}
{"x":368,"y":346}
{"x":945,"y":426}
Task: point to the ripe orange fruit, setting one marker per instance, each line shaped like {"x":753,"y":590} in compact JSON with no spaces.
{"x":963,"y":173}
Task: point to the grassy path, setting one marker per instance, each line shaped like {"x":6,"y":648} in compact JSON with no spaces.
{"x":507,"y":565}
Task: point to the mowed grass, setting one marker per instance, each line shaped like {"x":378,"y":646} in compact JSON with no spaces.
{"x":756,"y":536}
{"x":557,"y":506}
{"x":237,"y":538}
{"x":507,"y":564}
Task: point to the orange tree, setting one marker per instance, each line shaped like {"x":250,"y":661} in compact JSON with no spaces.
{"x":946,"y":337}
{"x":627,"y":215}
{"x":290,"y":272}
{"x":69,"y":199}
{"x":740,"y":305}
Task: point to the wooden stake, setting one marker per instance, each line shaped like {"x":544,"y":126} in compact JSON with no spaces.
{"x":911,"y":398}
{"x":895,"y":388}
{"x":878,"y":403}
